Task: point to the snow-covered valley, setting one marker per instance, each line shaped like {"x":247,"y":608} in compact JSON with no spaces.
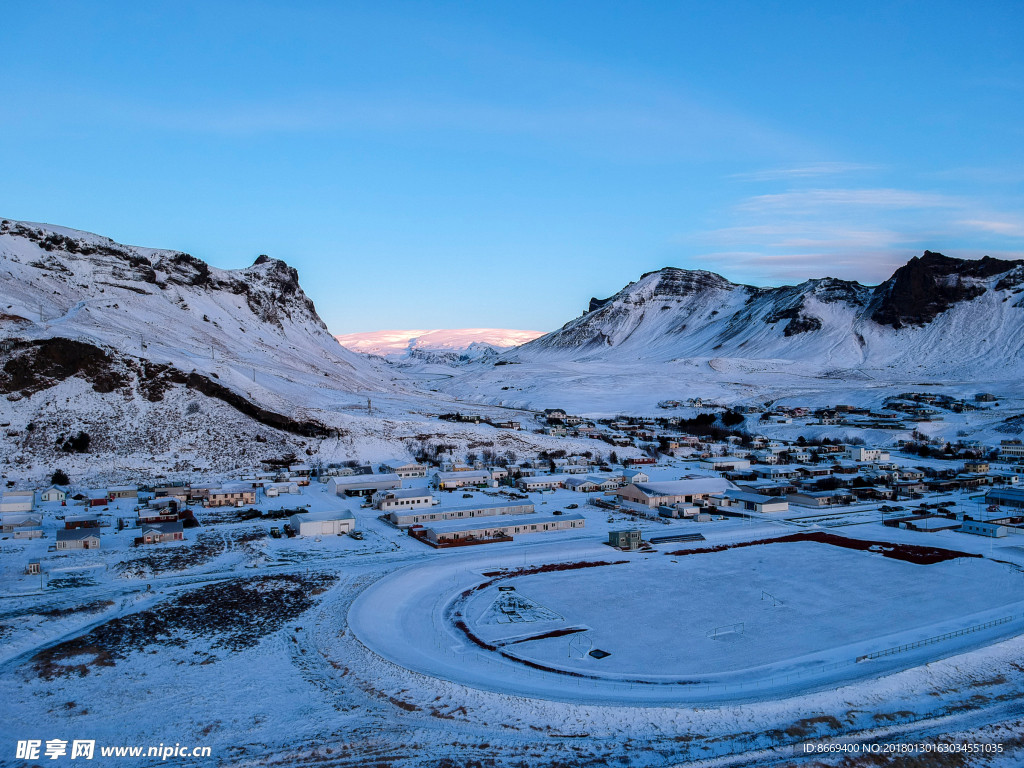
{"x":861,"y":608}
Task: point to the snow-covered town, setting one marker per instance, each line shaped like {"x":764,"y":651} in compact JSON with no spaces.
{"x":512,"y":385}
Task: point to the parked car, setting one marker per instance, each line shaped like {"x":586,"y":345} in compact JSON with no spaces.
{"x":275,"y":532}
{"x":572,"y":506}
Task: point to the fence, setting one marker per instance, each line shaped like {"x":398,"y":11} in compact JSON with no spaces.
{"x":936,"y":639}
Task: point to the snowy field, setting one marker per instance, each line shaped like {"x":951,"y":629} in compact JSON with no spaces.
{"x":825,"y":606}
{"x":655,"y":615}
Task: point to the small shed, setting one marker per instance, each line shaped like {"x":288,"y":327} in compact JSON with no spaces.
{"x":98,"y":498}
{"x":625,"y":539}
{"x":323,"y":523}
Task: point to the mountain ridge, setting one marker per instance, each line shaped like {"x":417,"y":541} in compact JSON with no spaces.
{"x":678,"y":313}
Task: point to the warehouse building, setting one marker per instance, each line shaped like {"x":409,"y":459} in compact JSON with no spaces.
{"x":17,"y":501}
{"x":405,"y":499}
{"x":498,"y":528}
{"x":686,"y":490}
{"x":750,"y":502}
{"x":363,"y":485}
{"x":544,"y":482}
{"x":1006,"y":497}
{"x":450,"y":481}
{"x":979,"y":528}
{"x":464,"y":509}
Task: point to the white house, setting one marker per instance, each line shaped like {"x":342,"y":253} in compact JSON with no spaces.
{"x":634,"y":476}
{"x":323,"y":523}
{"x":273,"y":490}
{"x":609,"y":483}
{"x":54,"y":493}
{"x":123,"y":492}
{"x":858,"y":453}
{"x":979,"y":528}
{"x":404,"y":468}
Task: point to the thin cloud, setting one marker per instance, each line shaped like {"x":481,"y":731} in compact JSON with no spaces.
{"x":805,"y":200}
{"x":1011,"y":228}
{"x":805,"y":171}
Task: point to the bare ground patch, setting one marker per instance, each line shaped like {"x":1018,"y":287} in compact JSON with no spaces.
{"x":233,"y":614}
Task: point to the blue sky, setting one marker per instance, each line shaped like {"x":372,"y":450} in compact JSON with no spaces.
{"x":445,"y":165}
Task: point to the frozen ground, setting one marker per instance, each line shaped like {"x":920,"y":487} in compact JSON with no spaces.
{"x":335,"y":665}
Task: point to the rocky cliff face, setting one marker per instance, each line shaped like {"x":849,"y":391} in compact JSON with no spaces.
{"x":926,"y":287}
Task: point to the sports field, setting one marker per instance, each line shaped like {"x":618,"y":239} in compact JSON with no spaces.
{"x":743,"y":608}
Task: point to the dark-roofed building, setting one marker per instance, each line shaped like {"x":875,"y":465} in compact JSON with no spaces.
{"x":158,"y":533}
{"x":1006,"y":497}
{"x":79,"y":538}
{"x":686,"y":490}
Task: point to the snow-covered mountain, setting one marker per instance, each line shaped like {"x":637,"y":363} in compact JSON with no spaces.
{"x":114,"y":339}
{"x":440,"y":346}
{"x":941,"y":314}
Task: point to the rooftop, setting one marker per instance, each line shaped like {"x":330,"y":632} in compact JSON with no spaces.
{"x":500,"y":521}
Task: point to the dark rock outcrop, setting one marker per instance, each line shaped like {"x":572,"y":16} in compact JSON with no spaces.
{"x":925,"y":287}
